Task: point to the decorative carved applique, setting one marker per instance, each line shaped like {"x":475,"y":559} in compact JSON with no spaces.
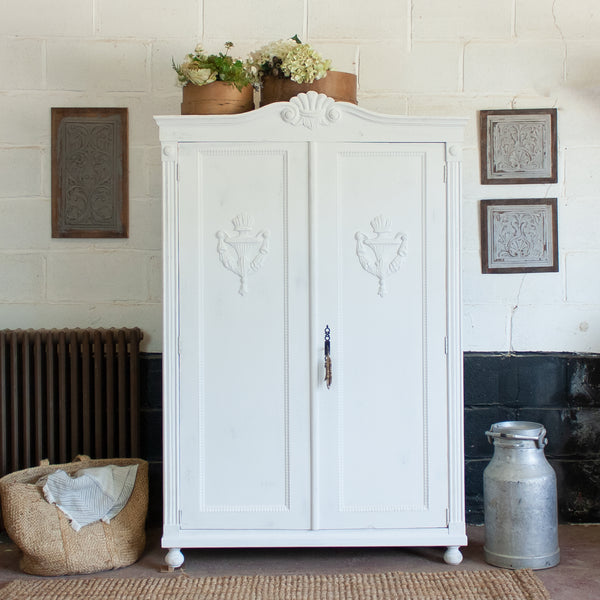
{"x":383,"y":254}
{"x":89,"y":172}
{"x":243,"y":253}
{"x":519,"y":147}
{"x":521,"y":236}
{"x":311,"y":110}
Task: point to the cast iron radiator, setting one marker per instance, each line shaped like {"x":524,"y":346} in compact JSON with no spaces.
{"x":65,"y":392}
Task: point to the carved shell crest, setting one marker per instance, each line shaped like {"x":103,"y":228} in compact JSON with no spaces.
{"x":310,"y":110}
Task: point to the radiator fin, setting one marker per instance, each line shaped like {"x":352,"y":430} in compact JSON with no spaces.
{"x":65,"y":392}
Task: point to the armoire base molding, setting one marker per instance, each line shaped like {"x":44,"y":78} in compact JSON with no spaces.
{"x":317,"y":539}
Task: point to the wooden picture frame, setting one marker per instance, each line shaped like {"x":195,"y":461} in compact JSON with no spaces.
{"x":518,"y":146}
{"x":519,"y":236}
{"x":90,"y":173}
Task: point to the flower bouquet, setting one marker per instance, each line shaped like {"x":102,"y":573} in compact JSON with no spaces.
{"x":289,"y":59}
{"x":288,"y":67}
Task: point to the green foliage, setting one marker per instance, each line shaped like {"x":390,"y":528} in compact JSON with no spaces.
{"x":200,"y":68}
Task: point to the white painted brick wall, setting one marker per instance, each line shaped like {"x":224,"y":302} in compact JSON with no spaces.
{"x":576,"y":20}
{"x":266,"y":20}
{"x":582,"y":175}
{"x":580,"y":223}
{"x":582,"y":64}
{"x":536,"y":19}
{"x":163,"y":77}
{"x":107,"y":65}
{"x":566,"y":19}
{"x":539,"y":327}
{"x":357,"y":20}
{"x":542,"y":288}
{"x":21,"y":63}
{"x":154,"y":19}
{"x":427,"y":67}
{"x":98,"y":276}
{"x":579,"y":116}
{"x":466,"y":20}
{"x":22,"y":276}
{"x":583,"y":285}
{"x":145,"y":223}
{"x":517,"y":67}
{"x":27,"y":126}
{"x":24,"y":223}
{"x":486,"y":327}
{"x":58,"y":18}
{"x":416,"y":57}
{"x":344,"y":56}
{"x":20,"y":172}
{"x":155,"y":278}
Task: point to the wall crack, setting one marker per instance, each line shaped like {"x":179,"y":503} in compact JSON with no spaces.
{"x":562,"y":37}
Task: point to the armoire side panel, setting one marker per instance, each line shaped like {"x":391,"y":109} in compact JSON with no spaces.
{"x":243,"y":338}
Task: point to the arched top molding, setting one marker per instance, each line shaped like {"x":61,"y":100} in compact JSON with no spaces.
{"x":312,"y":117}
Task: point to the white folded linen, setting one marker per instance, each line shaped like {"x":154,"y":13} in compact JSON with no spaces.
{"x":94,"y":494}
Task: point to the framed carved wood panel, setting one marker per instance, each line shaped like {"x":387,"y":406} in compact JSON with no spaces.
{"x":519,"y":236}
{"x":90,"y":173}
{"x":518,"y":146}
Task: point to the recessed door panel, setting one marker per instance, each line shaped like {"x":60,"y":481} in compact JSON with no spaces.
{"x":243,"y":340}
{"x":381,"y":455}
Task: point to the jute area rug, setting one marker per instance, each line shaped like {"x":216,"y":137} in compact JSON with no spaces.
{"x":448,"y":585}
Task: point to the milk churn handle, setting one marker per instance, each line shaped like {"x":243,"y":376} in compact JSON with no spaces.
{"x":540,"y":441}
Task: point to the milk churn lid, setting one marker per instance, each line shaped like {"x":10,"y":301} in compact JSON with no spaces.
{"x":518,"y":430}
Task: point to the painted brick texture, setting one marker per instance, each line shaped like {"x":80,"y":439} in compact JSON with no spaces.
{"x":416,"y":57}
{"x":560,"y":391}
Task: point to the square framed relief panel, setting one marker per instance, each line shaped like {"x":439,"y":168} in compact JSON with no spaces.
{"x":518,"y":146}
{"x":90,"y":173}
{"x":519,"y":236}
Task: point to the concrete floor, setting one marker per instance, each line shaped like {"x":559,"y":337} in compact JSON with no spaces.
{"x":577,"y":577}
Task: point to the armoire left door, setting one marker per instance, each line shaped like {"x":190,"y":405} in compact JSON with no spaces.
{"x":244,"y":425}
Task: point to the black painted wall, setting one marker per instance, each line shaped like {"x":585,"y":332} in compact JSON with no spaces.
{"x":561,"y":391}
{"x":151,"y":430}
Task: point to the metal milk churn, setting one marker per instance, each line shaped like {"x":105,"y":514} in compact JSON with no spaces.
{"x":519,"y":492}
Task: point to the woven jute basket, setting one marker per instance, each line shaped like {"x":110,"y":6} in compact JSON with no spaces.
{"x":48,"y":542}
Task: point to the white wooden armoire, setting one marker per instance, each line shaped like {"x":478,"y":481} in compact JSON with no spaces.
{"x":280,"y":224}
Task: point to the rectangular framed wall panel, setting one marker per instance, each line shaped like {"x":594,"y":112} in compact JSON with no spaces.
{"x":90,"y":173}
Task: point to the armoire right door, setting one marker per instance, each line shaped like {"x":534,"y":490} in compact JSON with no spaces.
{"x":378,"y":257}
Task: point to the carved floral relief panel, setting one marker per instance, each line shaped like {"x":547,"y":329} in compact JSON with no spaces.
{"x":518,"y":146}
{"x":519,"y":236}
{"x":89,"y":172}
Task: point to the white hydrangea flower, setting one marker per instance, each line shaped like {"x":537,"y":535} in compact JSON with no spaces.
{"x":298,"y":61}
{"x":304,"y":64}
{"x":267,"y":53}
